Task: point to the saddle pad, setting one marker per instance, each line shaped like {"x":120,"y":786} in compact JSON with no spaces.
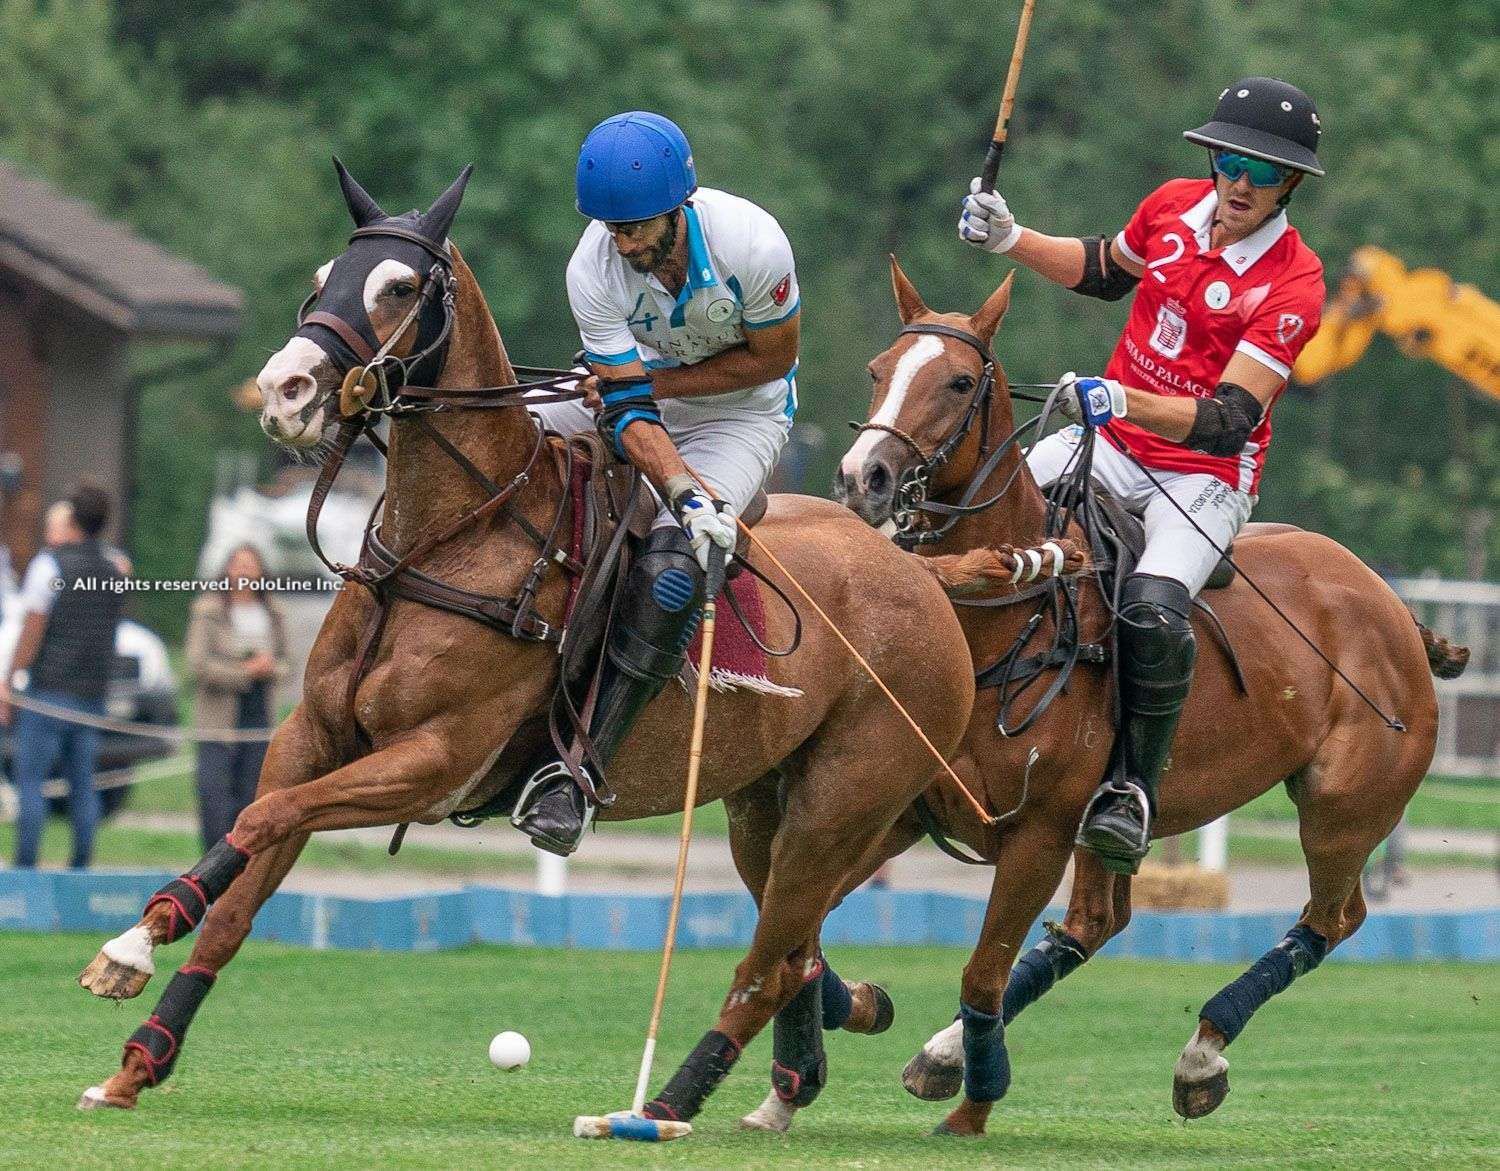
{"x":738,"y":663}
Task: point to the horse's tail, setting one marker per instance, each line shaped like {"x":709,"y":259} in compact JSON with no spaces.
{"x":1446,"y":659}
{"x":986,"y":568}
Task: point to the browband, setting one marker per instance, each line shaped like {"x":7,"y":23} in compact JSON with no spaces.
{"x":437,"y":252}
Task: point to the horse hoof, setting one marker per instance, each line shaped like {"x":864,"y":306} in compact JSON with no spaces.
{"x":932,"y":1082}
{"x":111,"y":980}
{"x":94,"y":1098}
{"x":880,"y":1015}
{"x":773,"y":1116}
{"x":1198,"y":1099}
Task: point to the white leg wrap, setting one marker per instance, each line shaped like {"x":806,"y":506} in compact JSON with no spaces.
{"x":133,"y":949}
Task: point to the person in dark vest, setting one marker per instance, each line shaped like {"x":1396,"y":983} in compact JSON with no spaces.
{"x":236,"y":654}
{"x":67,"y":647}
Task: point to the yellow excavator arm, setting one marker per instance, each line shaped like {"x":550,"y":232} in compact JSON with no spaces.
{"x":1424,"y":311}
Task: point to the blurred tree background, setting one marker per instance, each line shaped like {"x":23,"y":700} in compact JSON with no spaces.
{"x":208,"y":126}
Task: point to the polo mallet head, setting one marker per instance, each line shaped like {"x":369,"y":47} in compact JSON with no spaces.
{"x":634,"y":1127}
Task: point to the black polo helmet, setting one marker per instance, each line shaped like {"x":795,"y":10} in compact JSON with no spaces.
{"x":1265,"y":119}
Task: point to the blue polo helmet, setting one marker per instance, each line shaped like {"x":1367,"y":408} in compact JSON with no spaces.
{"x":634,"y":166}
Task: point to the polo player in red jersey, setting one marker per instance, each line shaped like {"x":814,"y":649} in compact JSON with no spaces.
{"x":1226,"y":296}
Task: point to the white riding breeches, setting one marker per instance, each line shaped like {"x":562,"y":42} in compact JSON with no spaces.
{"x":734,"y":453}
{"x":1174,"y":548}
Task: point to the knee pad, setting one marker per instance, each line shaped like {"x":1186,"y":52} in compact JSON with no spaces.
{"x":1156,"y":635}
{"x":660,"y":609}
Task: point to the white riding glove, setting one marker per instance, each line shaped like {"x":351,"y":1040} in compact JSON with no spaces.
{"x":1090,"y":401}
{"x":709,"y":525}
{"x":986,"y":222}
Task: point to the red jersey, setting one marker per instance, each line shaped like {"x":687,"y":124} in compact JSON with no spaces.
{"x":1196,"y":306}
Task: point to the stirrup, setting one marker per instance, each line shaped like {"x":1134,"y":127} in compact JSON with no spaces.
{"x":536,"y":787}
{"x":1115,"y":852}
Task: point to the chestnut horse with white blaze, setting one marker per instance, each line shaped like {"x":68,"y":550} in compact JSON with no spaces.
{"x":445,"y":701}
{"x":1294,"y":722}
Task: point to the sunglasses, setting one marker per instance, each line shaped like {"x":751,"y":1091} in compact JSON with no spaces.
{"x":1261,"y":173}
{"x":631,"y":229}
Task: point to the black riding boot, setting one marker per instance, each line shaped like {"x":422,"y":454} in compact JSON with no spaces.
{"x":656,"y":618}
{"x":1157,"y":650}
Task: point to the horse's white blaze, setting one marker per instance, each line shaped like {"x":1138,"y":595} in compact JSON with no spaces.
{"x":773,"y":1114}
{"x":384,"y":274}
{"x":1202,"y":1058}
{"x":132,"y":949}
{"x":321,"y":276}
{"x":946,"y":1047}
{"x":926,"y":348}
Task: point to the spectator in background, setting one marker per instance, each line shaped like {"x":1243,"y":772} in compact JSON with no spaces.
{"x":67,"y":648}
{"x":236,"y":653}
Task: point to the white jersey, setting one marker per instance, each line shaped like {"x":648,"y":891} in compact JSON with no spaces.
{"x":740,"y":276}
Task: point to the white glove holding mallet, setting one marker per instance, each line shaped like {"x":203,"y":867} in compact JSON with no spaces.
{"x":709,"y":527}
{"x":986,"y":221}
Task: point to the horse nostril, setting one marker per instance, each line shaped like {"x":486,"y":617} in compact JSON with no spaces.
{"x":877,"y":478}
{"x":295,"y":386}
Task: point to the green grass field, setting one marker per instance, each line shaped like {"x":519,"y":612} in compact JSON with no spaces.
{"x":366,"y":1060}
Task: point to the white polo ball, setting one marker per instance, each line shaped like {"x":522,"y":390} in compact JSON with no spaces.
{"x":510,"y":1051}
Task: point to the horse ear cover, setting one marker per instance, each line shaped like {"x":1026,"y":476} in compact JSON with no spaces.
{"x":438,"y":218}
{"x":362,"y":207}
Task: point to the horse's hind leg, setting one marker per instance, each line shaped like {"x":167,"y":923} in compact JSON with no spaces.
{"x":1342,"y":821}
{"x":823,"y":835}
{"x":826,"y":1002}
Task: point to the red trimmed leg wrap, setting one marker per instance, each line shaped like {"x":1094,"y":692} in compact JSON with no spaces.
{"x":191,"y":895}
{"x":799,"y":1065}
{"x":705,"y":1067}
{"x":159,"y":1039}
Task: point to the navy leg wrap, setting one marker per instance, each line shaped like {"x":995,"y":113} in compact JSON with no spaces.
{"x":986,"y":1062}
{"x":838,"y":1001}
{"x":1040,"y":968}
{"x":191,"y":895}
{"x":1301,"y":950}
{"x":705,"y":1067}
{"x":159,"y":1040}
{"x":799,"y":1066}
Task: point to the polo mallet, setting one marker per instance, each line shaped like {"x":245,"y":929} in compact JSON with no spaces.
{"x":633,"y":1124}
{"x":1007,"y":101}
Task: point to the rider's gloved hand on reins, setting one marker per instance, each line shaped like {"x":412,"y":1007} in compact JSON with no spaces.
{"x":708,"y":523}
{"x":1090,"y":401}
{"x":986,"y":222}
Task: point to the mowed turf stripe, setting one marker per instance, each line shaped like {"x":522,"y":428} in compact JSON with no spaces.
{"x":364,"y":1060}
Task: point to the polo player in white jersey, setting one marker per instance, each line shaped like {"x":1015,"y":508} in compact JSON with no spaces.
{"x":686,"y":301}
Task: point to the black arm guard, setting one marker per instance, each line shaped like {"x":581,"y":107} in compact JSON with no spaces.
{"x":1103,"y":276}
{"x":1224,"y":422}
{"x":626,"y":400}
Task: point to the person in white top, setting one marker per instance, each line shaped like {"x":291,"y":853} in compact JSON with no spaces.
{"x":686,"y":302}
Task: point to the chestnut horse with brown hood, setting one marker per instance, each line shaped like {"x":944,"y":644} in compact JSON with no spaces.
{"x":1293,"y":721}
{"x":811,"y":782}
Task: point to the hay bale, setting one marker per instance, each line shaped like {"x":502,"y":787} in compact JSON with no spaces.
{"x":1179,"y":888}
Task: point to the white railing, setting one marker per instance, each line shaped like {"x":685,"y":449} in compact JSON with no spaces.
{"x":1467,"y":613}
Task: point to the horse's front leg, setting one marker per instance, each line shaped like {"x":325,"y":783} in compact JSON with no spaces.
{"x":397,"y":783}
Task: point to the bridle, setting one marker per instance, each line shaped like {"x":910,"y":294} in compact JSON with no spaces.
{"x":911,"y":492}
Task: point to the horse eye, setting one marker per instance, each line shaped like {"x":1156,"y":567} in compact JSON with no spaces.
{"x":962,"y":384}
{"x":404,"y":289}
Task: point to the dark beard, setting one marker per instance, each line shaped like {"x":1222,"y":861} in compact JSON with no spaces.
{"x":651,"y":261}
